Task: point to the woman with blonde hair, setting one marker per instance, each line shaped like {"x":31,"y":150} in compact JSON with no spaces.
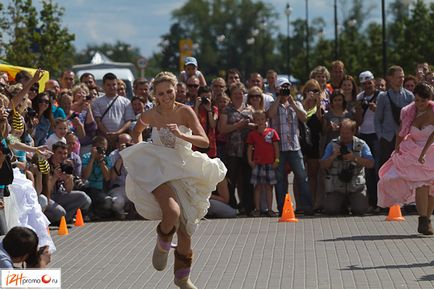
{"x":255,"y":98}
{"x":315,"y":117}
{"x":166,"y":180}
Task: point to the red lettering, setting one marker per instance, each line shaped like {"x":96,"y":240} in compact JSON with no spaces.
{"x":15,"y":279}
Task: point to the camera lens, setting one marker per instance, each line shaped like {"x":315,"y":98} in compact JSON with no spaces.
{"x":204,"y":100}
{"x":100,"y":150}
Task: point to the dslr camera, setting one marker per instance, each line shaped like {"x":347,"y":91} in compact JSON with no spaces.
{"x":66,"y":168}
{"x":100,"y":150}
{"x":31,"y":112}
{"x":365,"y":104}
{"x":285,"y":91}
{"x":344,"y":149}
{"x":204,"y":100}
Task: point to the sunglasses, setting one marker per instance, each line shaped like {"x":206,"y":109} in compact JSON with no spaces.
{"x":193,"y":85}
{"x":314,"y":90}
{"x":255,"y":95}
{"x":44,"y":101}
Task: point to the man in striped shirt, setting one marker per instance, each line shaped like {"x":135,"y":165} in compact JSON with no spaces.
{"x":285,"y":113}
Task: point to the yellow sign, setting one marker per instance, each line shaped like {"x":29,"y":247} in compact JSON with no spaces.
{"x":185,"y":50}
{"x":13,"y":70}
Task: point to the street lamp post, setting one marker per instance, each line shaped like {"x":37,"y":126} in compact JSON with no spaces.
{"x":383,"y":17}
{"x":288,"y":12}
{"x":307,"y":37}
{"x":336,"y":31}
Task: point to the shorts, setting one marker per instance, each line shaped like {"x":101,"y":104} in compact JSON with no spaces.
{"x":263,"y":174}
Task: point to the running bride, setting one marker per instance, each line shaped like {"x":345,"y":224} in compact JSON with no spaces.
{"x":166,"y":180}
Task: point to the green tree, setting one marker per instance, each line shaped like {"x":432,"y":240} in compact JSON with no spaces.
{"x":55,"y":43}
{"x":36,"y":39}
{"x":411,"y":35}
{"x":220,"y":30}
{"x":117,"y":52}
{"x":22,"y":23}
{"x":3,"y":28}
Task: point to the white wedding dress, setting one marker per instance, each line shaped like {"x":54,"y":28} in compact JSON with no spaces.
{"x":22,"y":209}
{"x":168,"y":159}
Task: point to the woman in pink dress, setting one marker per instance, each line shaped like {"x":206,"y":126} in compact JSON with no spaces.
{"x":408,"y":175}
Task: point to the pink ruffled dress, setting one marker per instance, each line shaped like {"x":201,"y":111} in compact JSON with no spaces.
{"x":402,"y":173}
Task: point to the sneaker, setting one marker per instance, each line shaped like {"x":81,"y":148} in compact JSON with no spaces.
{"x":255,"y":213}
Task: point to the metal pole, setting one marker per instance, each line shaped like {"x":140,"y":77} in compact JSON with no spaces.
{"x":336,"y":31}
{"x":287,"y":37}
{"x":383,"y":17}
{"x":307,"y":37}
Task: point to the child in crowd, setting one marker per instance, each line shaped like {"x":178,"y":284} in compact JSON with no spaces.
{"x":60,"y":131}
{"x":190,"y":69}
{"x":263,"y":157}
{"x":17,"y":130}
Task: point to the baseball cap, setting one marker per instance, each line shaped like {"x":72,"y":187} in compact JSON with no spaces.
{"x":281,"y":81}
{"x":190,"y":60}
{"x":365,"y":76}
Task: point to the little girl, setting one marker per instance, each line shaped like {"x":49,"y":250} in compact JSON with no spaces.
{"x":263,"y":157}
{"x":60,"y":130}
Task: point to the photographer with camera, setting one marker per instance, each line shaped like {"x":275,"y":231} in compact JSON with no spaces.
{"x":81,"y":117}
{"x":207,"y":115}
{"x":96,"y":170}
{"x":285,"y":114}
{"x":63,"y":199}
{"x":345,"y":159}
{"x":368,"y":101}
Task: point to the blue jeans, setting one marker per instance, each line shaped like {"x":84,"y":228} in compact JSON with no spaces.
{"x":295,"y":161}
{"x":371,"y":174}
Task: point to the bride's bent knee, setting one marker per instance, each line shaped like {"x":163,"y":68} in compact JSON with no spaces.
{"x":172,"y":211}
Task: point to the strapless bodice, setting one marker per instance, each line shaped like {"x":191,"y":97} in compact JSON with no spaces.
{"x":164,"y":137}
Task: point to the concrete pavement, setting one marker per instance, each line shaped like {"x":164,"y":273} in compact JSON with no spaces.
{"x":316,"y":252}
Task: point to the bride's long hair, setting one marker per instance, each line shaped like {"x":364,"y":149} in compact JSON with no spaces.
{"x":164,"y":76}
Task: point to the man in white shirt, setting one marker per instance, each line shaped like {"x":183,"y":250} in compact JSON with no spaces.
{"x":367,"y":99}
{"x":113,"y":114}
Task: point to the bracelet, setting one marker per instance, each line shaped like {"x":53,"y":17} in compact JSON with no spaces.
{"x":141,"y":121}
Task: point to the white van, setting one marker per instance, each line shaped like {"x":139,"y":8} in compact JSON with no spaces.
{"x":121,"y":73}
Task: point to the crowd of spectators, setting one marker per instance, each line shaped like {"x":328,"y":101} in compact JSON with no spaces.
{"x":332,"y":132}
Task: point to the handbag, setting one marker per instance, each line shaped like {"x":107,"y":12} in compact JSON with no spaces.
{"x":396,"y":110}
{"x":305,"y":134}
{"x":6,"y":170}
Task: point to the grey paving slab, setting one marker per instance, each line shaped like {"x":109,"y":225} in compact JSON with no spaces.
{"x":317,"y":252}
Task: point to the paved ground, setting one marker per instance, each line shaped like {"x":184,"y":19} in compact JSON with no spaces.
{"x":317,"y":252}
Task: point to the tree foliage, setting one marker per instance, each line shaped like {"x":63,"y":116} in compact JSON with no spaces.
{"x":117,"y":52}
{"x":360,"y":42}
{"x":35,"y":39}
{"x":225,"y":33}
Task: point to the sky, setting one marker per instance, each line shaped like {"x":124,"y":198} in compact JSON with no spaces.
{"x":142,"y":22}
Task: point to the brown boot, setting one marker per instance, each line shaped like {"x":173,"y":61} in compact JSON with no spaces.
{"x":162,"y":248}
{"x":182,"y":271}
{"x":429,"y":230}
{"x":425,"y":226}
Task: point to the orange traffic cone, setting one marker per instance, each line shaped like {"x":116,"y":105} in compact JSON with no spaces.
{"x":288,"y":211}
{"x":63,"y":229}
{"x":78,"y":219}
{"x":395,"y":214}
